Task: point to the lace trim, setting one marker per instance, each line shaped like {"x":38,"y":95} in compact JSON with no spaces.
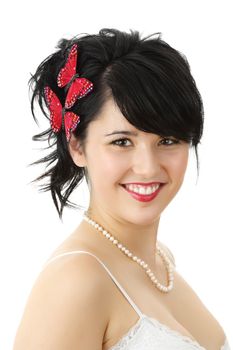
{"x":127,"y":336}
{"x":185,"y":338}
{"x":123,"y":342}
{"x":133,"y":330}
{"x":170,"y":331}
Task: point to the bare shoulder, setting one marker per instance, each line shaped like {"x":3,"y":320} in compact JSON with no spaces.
{"x":67,"y":304}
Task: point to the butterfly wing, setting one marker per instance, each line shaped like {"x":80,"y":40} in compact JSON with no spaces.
{"x":79,"y":88}
{"x":55,"y":108}
{"x":71,"y":121}
{"x":69,"y":70}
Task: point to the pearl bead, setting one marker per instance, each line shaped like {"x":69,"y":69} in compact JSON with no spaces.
{"x":141,"y":263}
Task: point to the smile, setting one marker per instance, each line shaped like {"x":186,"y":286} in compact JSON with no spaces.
{"x":143,"y":193}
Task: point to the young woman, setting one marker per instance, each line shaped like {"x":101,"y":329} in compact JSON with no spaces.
{"x":124,"y":113}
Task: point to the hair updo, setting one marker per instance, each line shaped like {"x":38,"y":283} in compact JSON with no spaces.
{"x":149,"y":80}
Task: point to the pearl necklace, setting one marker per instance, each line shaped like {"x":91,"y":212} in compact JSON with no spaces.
{"x":141,"y":263}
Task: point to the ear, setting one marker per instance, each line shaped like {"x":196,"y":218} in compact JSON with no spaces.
{"x":77,"y":152}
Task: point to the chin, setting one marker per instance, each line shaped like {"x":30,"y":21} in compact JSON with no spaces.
{"x":141,"y":217}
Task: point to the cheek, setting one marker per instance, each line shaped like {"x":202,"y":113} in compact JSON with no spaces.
{"x":107,"y":167}
{"x":178,"y":164}
{"x":174,"y":162}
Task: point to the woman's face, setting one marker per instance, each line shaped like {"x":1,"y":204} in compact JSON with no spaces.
{"x":113,"y":160}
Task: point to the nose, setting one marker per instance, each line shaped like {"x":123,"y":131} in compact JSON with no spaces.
{"x":146,"y":163}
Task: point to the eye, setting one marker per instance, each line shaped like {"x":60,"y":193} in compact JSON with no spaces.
{"x":168,"y":141}
{"x":120,"y":142}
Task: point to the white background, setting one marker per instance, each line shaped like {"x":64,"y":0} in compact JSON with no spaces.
{"x":197,"y":225}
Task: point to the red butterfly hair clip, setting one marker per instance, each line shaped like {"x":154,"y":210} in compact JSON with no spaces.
{"x":79,"y":88}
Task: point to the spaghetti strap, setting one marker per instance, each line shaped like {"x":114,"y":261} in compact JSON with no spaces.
{"x":138,"y":311}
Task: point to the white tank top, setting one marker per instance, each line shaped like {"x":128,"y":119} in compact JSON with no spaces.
{"x":148,"y":333}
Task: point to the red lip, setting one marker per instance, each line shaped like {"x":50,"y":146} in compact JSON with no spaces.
{"x":143,"y":197}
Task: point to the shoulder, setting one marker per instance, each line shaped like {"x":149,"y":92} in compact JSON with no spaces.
{"x":67,"y":304}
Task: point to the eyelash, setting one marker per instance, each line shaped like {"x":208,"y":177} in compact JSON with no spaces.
{"x":175,"y":141}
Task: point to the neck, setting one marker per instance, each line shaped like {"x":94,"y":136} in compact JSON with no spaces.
{"x":140,"y":240}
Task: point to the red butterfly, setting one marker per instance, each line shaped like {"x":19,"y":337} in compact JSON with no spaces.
{"x":71,"y":119}
{"x":79,"y":88}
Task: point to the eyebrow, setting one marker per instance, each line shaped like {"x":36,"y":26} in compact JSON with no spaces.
{"x":124,"y":132}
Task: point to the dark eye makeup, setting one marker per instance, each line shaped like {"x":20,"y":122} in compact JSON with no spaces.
{"x":121,"y":142}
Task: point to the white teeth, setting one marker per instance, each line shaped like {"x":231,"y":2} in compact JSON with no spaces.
{"x":148,"y":189}
{"x":131,"y":187}
{"x":142,"y":189}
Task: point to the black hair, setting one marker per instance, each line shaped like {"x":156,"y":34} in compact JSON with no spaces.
{"x":150,"y":81}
